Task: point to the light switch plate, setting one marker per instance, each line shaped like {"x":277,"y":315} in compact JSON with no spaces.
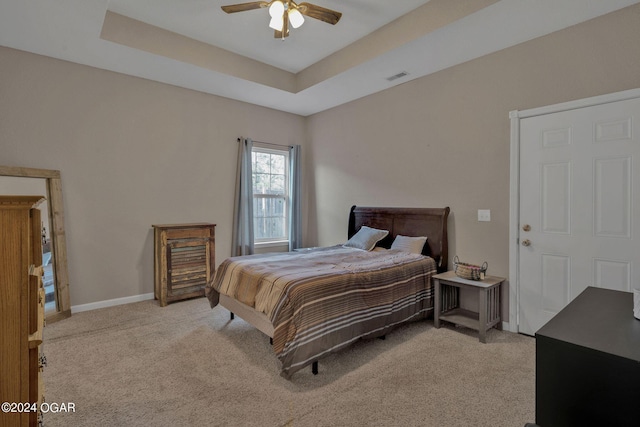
{"x":484,"y":215}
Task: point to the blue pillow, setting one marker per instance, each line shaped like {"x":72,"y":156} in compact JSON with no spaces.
{"x":366,"y":238}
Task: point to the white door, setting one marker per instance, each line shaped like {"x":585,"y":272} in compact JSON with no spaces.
{"x":579,"y":207}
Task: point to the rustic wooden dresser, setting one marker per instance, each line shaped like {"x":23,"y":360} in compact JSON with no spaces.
{"x":184,"y":260}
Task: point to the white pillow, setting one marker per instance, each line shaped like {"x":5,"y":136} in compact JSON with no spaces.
{"x":366,"y":238}
{"x":413,"y":245}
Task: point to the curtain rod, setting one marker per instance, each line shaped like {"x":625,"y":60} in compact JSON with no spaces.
{"x":269,"y":143}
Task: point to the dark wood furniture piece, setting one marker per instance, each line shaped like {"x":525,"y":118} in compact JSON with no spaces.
{"x":588,"y":363}
{"x":21,"y":310}
{"x":430,"y":222}
{"x":184,"y":260}
{"x":446,"y":306}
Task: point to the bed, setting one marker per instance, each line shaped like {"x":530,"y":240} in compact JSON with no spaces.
{"x":313,"y":302}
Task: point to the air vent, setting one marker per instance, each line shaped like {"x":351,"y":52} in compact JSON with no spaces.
{"x":397,"y":76}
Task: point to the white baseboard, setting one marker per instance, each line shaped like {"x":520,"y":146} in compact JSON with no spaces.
{"x":110,"y":303}
{"x":506,"y":326}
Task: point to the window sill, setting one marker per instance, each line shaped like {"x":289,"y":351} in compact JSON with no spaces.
{"x":272,"y":244}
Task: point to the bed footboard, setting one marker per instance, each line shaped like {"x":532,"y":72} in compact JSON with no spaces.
{"x":259,"y":320}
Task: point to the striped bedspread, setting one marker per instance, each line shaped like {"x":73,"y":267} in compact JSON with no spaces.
{"x":320,"y":301}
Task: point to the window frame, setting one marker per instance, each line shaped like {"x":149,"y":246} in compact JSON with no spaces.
{"x":276,"y":241}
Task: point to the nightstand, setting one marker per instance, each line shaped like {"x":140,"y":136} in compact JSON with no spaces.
{"x":447,"y":302}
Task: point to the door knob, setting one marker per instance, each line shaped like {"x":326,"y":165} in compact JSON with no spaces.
{"x":526,"y":227}
{"x":526,"y":242}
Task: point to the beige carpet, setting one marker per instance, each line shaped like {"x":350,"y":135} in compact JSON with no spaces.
{"x":187,"y":365}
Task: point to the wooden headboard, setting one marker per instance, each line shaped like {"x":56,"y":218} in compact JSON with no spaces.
{"x":430,"y":222}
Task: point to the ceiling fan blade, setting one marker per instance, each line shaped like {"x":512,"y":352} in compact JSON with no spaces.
{"x":241,"y":7}
{"x":327,"y":15}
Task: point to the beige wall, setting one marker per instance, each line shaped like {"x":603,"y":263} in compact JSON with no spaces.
{"x":443,"y":140}
{"x":132,"y":153}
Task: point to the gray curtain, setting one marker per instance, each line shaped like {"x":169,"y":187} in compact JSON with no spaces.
{"x":242,"y":239}
{"x":295,"y":211}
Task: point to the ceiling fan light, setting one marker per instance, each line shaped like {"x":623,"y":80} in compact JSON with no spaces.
{"x":296,"y":18}
{"x":276,"y":9}
{"x":276,"y":23}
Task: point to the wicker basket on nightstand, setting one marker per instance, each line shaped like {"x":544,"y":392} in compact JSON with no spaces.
{"x":470,"y":271}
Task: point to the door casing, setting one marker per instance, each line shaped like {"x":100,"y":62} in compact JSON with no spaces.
{"x":514,"y":186}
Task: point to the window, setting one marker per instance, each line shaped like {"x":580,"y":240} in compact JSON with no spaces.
{"x":270,"y":175}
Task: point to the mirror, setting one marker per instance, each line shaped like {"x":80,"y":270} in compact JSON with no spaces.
{"x":56,"y":235}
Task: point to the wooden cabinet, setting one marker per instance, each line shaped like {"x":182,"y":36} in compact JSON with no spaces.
{"x":21,"y":308}
{"x":184,"y":260}
{"x":588,"y":362}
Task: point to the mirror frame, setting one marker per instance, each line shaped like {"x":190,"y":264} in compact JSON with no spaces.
{"x":57,"y":233}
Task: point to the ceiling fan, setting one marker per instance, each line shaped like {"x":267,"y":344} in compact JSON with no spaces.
{"x":285,"y":12}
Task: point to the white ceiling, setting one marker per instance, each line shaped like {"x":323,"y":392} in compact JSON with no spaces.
{"x":248,"y":33}
{"x":70,"y":30}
